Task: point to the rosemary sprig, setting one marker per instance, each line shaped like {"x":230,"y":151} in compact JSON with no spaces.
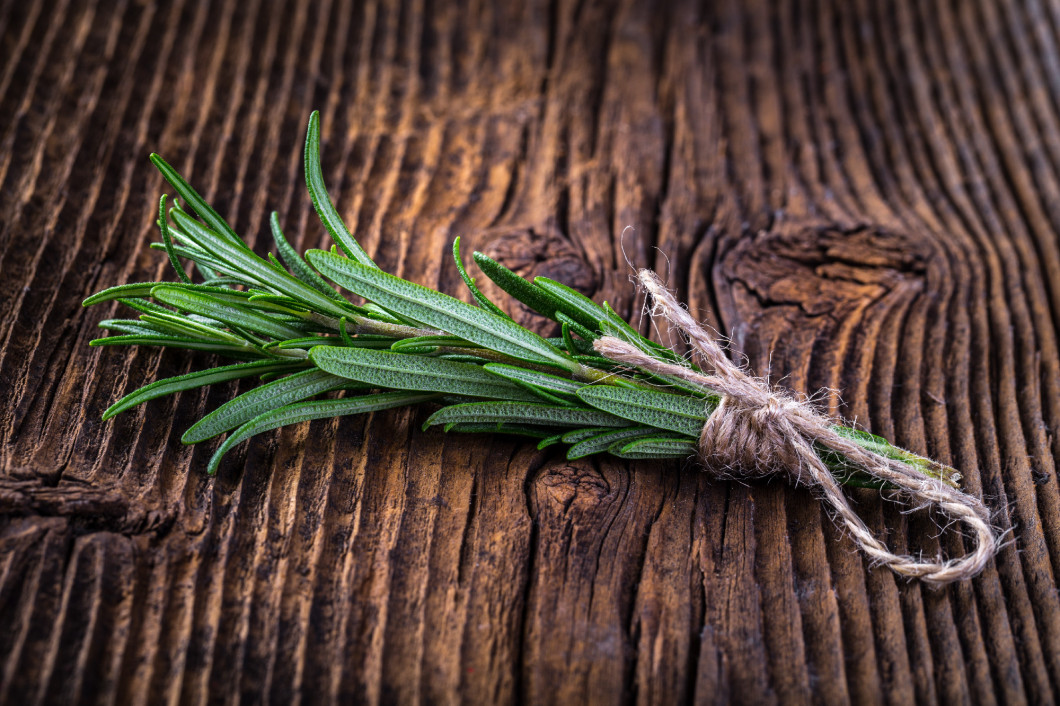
{"x":405,"y":345}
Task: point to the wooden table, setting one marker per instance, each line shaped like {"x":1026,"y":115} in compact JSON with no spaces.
{"x":865,"y":195}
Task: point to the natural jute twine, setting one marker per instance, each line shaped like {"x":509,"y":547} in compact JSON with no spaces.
{"x":756,"y":430}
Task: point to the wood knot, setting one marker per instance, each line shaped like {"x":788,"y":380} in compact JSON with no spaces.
{"x":825,"y":269}
{"x":567,"y":486}
{"x":95,"y":508}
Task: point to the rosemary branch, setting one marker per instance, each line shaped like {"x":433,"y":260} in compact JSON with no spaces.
{"x":318,"y":355}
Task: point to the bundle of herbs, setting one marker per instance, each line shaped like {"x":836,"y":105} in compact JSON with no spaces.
{"x":316,"y":354}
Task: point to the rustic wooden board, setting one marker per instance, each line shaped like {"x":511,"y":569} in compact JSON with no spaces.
{"x":865,"y":195}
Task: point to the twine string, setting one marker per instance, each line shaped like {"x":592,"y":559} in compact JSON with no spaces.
{"x":755,"y":430}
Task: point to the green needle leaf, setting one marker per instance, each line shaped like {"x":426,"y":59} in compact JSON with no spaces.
{"x":297,"y":265}
{"x":573,"y":303}
{"x":576,"y":435}
{"x":549,"y":441}
{"x":488,"y":428}
{"x":205,"y":262}
{"x":195,"y":344}
{"x":247,"y":263}
{"x":439,"y":310}
{"x":201,"y":378}
{"x":197,"y":203}
{"x":661,"y":410}
{"x":277,"y":302}
{"x":624,"y":330}
{"x":599,"y":443}
{"x":411,"y":372}
{"x":523,"y":413}
{"x":227,"y":312}
{"x":174,"y":325}
{"x":407,"y":345}
{"x":163,"y":227}
{"x":225,"y":281}
{"x":146,"y":306}
{"x":552,"y":384}
{"x":293,"y":388}
{"x":329,"y":216}
{"x":122,"y":291}
{"x":223,"y":293}
{"x":481,"y":298}
{"x":653,"y":447}
{"x":129,"y":326}
{"x":518,"y":288}
{"x":306,"y":342}
{"x":317,"y":409}
{"x":545,"y":296}
{"x":585,"y":333}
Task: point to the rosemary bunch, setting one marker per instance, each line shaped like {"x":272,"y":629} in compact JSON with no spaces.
{"x":318,"y":355}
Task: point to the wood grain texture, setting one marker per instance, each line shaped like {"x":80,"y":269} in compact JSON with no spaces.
{"x":865,"y":195}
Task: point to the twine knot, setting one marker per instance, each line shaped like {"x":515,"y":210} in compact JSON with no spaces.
{"x":748,"y":433}
{"x":755,"y":430}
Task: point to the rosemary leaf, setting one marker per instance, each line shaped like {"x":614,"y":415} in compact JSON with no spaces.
{"x":552,"y":384}
{"x":122,"y":291}
{"x":653,"y":447}
{"x":299,"y":268}
{"x":533,"y":297}
{"x":248,"y":264}
{"x":293,"y":388}
{"x":411,"y":372}
{"x":573,"y":303}
{"x":600,"y":442}
{"x":661,"y":410}
{"x":481,"y":298}
{"x":439,"y":310}
{"x":197,"y":203}
{"x":164,"y":341}
{"x":200,"y":378}
{"x":307,"y":411}
{"x":227,"y":312}
{"x":522,"y":413}
{"x":314,"y":180}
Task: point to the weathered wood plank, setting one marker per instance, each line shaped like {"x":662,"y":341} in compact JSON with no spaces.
{"x":866,"y":196}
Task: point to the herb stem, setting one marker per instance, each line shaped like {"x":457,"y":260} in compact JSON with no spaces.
{"x":299,"y":353}
{"x":356,"y":324}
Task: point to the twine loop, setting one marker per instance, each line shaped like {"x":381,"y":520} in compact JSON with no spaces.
{"x":755,"y":430}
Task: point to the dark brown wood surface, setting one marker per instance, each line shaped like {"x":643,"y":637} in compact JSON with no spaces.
{"x":865,"y":194}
